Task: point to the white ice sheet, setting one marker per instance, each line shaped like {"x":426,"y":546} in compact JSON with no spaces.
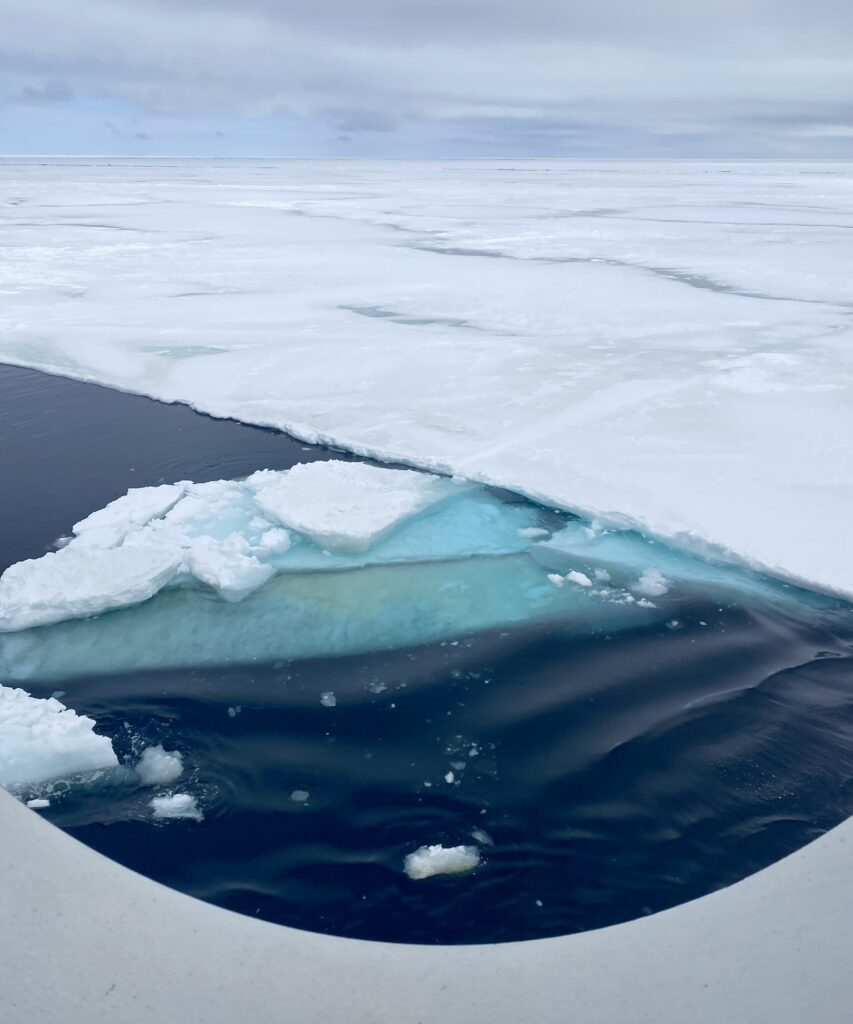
{"x":668,"y":344}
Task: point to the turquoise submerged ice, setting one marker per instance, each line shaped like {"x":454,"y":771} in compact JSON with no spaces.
{"x":326,"y":558}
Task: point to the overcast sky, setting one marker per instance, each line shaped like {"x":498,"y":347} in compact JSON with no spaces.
{"x":444,"y":78}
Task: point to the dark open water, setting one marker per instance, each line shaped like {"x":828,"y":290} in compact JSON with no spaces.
{"x":615,"y":775}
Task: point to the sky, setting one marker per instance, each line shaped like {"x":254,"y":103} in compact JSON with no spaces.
{"x":427,"y":78}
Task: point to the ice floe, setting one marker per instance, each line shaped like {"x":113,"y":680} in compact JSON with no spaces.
{"x":346,"y":506}
{"x":41,"y":739}
{"x":427,"y":861}
{"x":228,"y":536}
{"x":176,"y":805}
{"x":159,"y":767}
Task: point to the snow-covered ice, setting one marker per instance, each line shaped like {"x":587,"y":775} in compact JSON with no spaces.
{"x":346,"y":506}
{"x":427,"y":861}
{"x":159,"y":767}
{"x":176,"y":805}
{"x":639,"y":341}
{"x":41,"y":739}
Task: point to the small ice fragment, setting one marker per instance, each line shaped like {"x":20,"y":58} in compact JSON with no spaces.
{"x":159,"y":767}
{"x":427,"y":861}
{"x":300,"y":796}
{"x":176,"y":805}
{"x":233,"y":712}
{"x":556,"y":579}
{"x":531,"y":532}
{"x":458,"y":765}
{"x":482,"y":837}
{"x":603,"y":575}
{"x":539,"y":903}
{"x":578,"y":578}
{"x":450,"y":778}
{"x":58,"y":694}
{"x":328,"y":699}
{"x":652,"y":583}
{"x":38,"y":804}
{"x":276,"y":541}
{"x":644,"y":602}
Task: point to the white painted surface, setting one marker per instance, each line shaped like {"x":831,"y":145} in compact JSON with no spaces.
{"x":671,"y":343}
{"x":86,"y":941}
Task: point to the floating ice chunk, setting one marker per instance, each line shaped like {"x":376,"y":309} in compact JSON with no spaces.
{"x":159,"y":767}
{"x":78,"y":582}
{"x":38,"y":803}
{"x":602,"y":575}
{"x":557,"y":580}
{"x":427,"y":861}
{"x":41,"y":739}
{"x":578,"y":578}
{"x":276,"y":541}
{"x":176,"y":805}
{"x":300,"y":796}
{"x":450,"y":778}
{"x":347,"y":506}
{"x":328,"y":699}
{"x":652,"y":583}
{"x":532,"y":532}
{"x":227,"y":566}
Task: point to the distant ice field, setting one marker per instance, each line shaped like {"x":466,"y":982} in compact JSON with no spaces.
{"x":666,"y":345}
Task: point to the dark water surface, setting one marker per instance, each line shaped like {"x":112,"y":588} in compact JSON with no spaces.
{"x":603,"y":777}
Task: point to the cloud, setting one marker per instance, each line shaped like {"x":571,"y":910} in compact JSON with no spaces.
{"x":555,"y":76}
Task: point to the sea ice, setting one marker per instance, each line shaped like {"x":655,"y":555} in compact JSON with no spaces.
{"x":580,"y":579}
{"x":176,"y":805}
{"x":79,"y":581}
{"x":41,"y":739}
{"x":427,"y":861}
{"x":676,"y":409}
{"x":652,"y":583}
{"x":219,"y":535}
{"x":347,"y":506}
{"x":159,"y":767}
